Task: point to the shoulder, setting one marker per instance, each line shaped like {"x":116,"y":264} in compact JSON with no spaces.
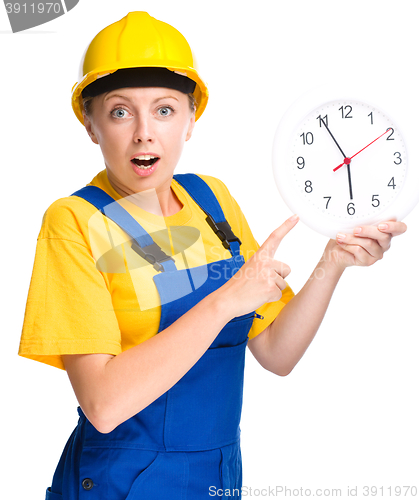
{"x":67,"y":218}
{"x":223,"y":195}
{"x":217,"y":185}
{"x":229,"y":205}
{"x":221,"y":192}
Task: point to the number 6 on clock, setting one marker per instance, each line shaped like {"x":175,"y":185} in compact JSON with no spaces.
{"x":340,"y":161}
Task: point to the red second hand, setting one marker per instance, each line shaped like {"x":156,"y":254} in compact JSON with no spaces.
{"x":348,"y":160}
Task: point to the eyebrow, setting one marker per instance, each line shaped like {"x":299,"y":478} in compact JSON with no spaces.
{"x":117,"y":95}
{"x":128,"y":99}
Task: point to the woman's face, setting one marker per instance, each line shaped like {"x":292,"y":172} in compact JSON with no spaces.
{"x":141,"y":132}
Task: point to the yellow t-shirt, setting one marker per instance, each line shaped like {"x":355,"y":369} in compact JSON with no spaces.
{"x":91,"y":293}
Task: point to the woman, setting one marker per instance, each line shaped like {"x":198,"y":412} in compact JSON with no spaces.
{"x":140,"y":251}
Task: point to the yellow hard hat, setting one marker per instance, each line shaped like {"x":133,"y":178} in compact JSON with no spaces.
{"x":137,"y":41}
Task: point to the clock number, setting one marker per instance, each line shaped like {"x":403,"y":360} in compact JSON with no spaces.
{"x":300,"y":162}
{"x":307,"y":138}
{"x":323,"y":119}
{"x":391,"y":183}
{"x":350,"y":208}
{"x":374,"y":199}
{"x":309,"y":187}
{"x":389,"y":138}
{"x":372,"y":123}
{"x":348,"y":113}
{"x":398,"y":157}
{"x":328,"y":198}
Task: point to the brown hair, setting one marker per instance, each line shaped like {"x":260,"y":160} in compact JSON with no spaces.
{"x":87,"y":104}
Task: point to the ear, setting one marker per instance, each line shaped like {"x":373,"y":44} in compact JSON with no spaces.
{"x":89,"y":128}
{"x":191,"y":126}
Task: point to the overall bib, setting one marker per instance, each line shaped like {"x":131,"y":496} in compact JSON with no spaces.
{"x":186,"y":444}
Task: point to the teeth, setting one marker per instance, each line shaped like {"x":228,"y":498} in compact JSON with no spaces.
{"x":145,"y":157}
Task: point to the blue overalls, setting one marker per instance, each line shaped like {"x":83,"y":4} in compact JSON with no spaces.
{"x":186,"y":444}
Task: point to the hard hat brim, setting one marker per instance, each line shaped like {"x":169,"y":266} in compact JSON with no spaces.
{"x":200,"y":93}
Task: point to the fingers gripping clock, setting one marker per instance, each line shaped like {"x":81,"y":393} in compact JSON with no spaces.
{"x":342,"y":162}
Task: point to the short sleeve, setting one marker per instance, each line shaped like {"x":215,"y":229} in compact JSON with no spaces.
{"x":269,"y":311}
{"x":69,"y":308}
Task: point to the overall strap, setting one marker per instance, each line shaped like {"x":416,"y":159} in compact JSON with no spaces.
{"x":143,"y":243}
{"x":204,"y":197}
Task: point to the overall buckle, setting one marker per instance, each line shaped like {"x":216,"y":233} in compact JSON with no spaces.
{"x":223,"y":231}
{"x":152,"y":254}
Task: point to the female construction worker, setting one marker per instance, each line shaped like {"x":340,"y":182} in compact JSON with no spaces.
{"x":147,"y":286}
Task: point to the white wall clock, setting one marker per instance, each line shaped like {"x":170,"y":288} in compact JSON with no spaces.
{"x":341,"y":161}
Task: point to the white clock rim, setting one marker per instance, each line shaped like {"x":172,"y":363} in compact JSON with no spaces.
{"x":305,"y":105}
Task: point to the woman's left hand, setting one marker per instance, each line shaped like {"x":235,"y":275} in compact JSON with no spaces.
{"x":365,"y":246}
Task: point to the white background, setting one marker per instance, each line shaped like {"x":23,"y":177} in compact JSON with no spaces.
{"x":347,"y":415}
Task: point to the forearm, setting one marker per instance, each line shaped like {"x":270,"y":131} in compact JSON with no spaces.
{"x":292,"y":331}
{"x":111,"y":389}
{"x":114,"y":391}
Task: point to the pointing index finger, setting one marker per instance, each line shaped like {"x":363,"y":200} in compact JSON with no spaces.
{"x":271,"y":244}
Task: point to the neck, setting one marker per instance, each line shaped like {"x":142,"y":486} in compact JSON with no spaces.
{"x":162,"y":202}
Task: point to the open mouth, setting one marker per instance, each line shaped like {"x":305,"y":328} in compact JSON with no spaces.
{"x":145,"y":161}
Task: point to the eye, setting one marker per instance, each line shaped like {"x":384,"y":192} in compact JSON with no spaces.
{"x":119,"y":112}
{"x":165,"y":111}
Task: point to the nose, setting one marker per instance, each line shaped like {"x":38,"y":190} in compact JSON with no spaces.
{"x":143,"y":129}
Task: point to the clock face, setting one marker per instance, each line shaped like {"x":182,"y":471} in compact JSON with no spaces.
{"x":369,"y":181}
{"x":341,"y":165}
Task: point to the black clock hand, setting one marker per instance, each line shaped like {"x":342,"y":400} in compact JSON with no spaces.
{"x":331,"y":135}
{"x":350,"y":182}
{"x":344,"y":156}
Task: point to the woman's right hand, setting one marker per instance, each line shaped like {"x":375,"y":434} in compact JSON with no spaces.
{"x":261,"y":279}
{"x":110,"y":389}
